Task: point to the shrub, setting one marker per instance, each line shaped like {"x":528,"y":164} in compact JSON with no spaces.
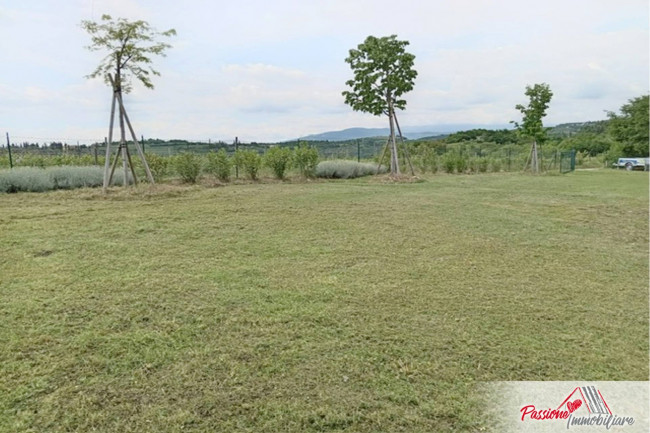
{"x":278,"y":160}
{"x":461,"y":163}
{"x":431,"y":160}
{"x":478,"y":164}
{"x":305,"y":159}
{"x":76,"y":177}
{"x":418,"y":161}
{"x":346,"y":169}
{"x":426,"y":160}
{"x":32,"y":179}
{"x":249,"y":161}
{"x":449,"y":162}
{"x":218,"y":164}
{"x":495,"y":165}
{"x":158,"y":165}
{"x":71,"y":159}
{"x":188,"y":166}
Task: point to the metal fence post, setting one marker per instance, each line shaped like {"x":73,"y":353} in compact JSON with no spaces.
{"x":11,"y":162}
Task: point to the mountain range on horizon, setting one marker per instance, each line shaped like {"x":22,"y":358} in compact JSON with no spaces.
{"x":410,"y":132}
{"x":440,"y":131}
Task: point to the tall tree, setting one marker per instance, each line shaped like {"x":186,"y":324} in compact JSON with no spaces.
{"x":383,"y":72}
{"x":630,"y":128}
{"x":130,"y":46}
{"x":531,"y":125}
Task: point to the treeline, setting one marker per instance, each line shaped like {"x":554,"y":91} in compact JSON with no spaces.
{"x":623,"y":134}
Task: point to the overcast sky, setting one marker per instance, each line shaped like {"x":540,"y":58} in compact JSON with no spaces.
{"x":268,"y":70}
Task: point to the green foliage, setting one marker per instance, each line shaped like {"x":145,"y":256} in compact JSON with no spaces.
{"x":278,"y":159}
{"x":495,"y":165}
{"x":130,"y":45}
{"x":501,"y":136}
{"x":449,"y":162}
{"x":218,"y":164}
{"x":187,"y":166}
{"x":426,"y":160}
{"x":461,"y":163}
{"x":32,"y":160}
{"x":383,"y":71}
{"x":35,"y":159}
{"x":305,"y":159}
{"x":454,"y":162}
{"x":249,"y":161}
{"x":346,"y":169}
{"x":630,"y":128}
{"x":158,"y":166}
{"x":481,"y":164}
{"x":588,"y":142}
{"x":539,"y":97}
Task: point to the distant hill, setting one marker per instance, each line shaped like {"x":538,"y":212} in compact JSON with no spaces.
{"x":568,"y":129}
{"x":410,"y":132}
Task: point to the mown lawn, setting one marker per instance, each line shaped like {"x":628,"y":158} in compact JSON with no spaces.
{"x":359,"y":305}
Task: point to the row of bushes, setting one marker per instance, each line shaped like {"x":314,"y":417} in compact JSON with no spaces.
{"x":34,"y":179}
{"x":189,"y":166}
{"x":456,"y":163}
{"x":29,"y":159}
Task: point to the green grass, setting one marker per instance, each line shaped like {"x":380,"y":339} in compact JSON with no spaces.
{"x":361,"y":305}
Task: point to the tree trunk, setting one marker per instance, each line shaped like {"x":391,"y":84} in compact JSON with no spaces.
{"x":394,"y":159}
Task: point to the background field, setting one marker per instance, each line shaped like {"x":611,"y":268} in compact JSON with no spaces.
{"x":359,"y":305}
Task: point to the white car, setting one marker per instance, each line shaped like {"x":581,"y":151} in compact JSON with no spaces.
{"x":633,"y":163}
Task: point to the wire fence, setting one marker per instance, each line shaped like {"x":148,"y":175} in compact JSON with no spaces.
{"x":422,"y":156}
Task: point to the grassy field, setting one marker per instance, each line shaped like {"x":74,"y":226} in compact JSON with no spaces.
{"x":360,"y":305}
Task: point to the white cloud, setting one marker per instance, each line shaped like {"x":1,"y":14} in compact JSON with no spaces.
{"x":275,"y":70}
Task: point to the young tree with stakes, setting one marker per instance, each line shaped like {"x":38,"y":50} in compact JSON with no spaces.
{"x":531,"y":126}
{"x":130,"y":45}
{"x":383,"y":72}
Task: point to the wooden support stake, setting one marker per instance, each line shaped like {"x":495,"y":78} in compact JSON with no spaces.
{"x":128,"y":155}
{"x":134,"y":137}
{"x":107,"y":163}
{"x":117,"y":157}
{"x":534,"y":163}
{"x":383,"y":154}
{"x":406,"y":152}
{"x":529,"y":158}
{"x":125,"y":161}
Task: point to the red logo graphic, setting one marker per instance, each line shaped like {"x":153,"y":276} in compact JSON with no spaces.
{"x":592,"y":399}
{"x":585,"y":405}
{"x":573,"y":406}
